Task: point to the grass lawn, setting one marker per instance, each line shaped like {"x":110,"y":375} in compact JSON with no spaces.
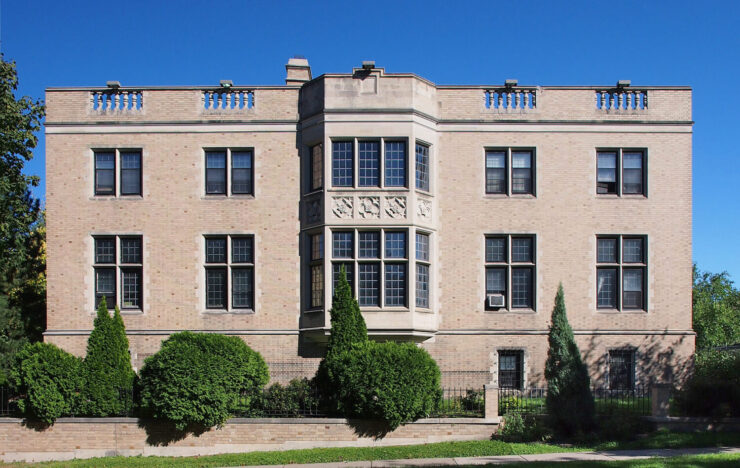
{"x":689,"y":461}
{"x":438,"y":450}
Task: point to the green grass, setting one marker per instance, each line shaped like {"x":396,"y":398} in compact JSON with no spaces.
{"x":688,"y":461}
{"x":437,"y":450}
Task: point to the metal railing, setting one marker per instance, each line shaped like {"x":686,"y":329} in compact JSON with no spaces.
{"x":634,"y":401}
{"x":282,"y":402}
{"x":460,"y":403}
{"x":8,"y":402}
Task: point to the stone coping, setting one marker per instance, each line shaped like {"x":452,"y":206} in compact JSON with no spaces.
{"x":118,"y":420}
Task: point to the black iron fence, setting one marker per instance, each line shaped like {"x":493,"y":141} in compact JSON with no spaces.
{"x":301,"y":401}
{"x":8,"y":402}
{"x":460,"y":403}
{"x":634,"y":401}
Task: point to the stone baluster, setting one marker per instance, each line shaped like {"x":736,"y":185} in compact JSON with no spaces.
{"x":116,"y":100}
{"x":500,"y":99}
{"x":518,"y":100}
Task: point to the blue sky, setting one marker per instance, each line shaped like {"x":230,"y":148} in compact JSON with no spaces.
{"x":85,"y":43}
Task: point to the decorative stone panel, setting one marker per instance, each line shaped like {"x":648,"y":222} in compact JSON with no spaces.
{"x":313,"y":210}
{"x":424,"y":209}
{"x":342,"y":207}
{"x":395,"y":207}
{"x":368,"y":207}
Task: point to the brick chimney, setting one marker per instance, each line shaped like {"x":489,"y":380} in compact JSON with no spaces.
{"x":298,"y":71}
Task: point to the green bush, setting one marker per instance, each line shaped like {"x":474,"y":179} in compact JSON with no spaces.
{"x":293,"y":400}
{"x":390,"y":382}
{"x":200,"y":379}
{"x":569,"y":401}
{"x":48,"y":380}
{"x":714,"y":388}
{"x":520,"y":427}
{"x":107,"y":372}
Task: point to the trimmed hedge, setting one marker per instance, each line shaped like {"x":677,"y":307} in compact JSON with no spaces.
{"x":391,"y":382}
{"x":48,"y":380}
{"x":200,"y":379}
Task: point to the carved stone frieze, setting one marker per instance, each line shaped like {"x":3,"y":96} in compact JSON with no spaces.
{"x":424,"y":209}
{"x":368,"y":207}
{"x":395,"y":207}
{"x":342,"y":207}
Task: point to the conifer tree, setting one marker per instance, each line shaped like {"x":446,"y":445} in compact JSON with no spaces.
{"x":347,"y":324}
{"x":108,"y":374}
{"x":570,"y":403}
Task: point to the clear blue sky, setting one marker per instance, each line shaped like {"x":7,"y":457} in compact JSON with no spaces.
{"x":85,"y":43}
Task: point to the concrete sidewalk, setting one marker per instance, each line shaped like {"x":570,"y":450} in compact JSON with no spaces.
{"x":504,"y":459}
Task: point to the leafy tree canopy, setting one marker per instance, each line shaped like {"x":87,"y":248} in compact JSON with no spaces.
{"x":716,"y":305}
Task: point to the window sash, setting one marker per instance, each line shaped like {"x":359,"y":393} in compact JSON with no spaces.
{"x":105,"y":286}
{"x":422,"y":167}
{"x":422,"y":285}
{"x":242,"y":288}
{"x":131,"y":173}
{"x":422,"y":247}
{"x":607,"y":288}
{"x":342,"y":244}
{"x":621,"y":370}
{"x":105,"y":173}
{"x":131,"y":288}
{"x":368,"y":153}
{"x":496,"y":280}
{"x":369,"y":284}
{"x":317,"y":246}
{"x":215,"y":249}
{"x":241,"y":172}
{"x":395,"y":244}
{"x":216,"y":172}
{"x":521,"y":287}
{"x":242,"y":249}
{"x":342,"y":162}
{"x":521,"y":250}
{"x":369,"y":246}
{"x":606,"y":250}
{"x":395,"y":164}
{"x":632,"y":284}
{"x":606,"y":174}
{"x":496,"y":249}
{"x":521,"y":177}
{"x":510,"y":369}
{"x":349,"y":269}
{"x":395,"y":284}
{"x":216,"y":280}
{"x":130,"y":249}
{"x":105,"y":249}
{"x":317,"y":166}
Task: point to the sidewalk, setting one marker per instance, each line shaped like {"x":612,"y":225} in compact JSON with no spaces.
{"x":503,"y":459}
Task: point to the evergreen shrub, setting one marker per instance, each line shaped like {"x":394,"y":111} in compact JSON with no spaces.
{"x":714,"y":388}
{"x":296,"y":399}
{"x":48,"y":380}
{"x":201,"y":379}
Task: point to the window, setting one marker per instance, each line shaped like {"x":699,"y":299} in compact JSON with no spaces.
{"x":229,"y":272}
{"x":621,"y":257}
{"x":380,"y":163}
{"x":380,"y":258}
{"x":422,"y":167}
{"x":632,"y":177}
{"x":118,"y":260}
{"x":518,"y":180}
{"x":510,"y":369}
{"x":510,"y":267}
{"x":422,"y":270}
{"x":316,"y":268}
{"x":317,"y":166}
{"x":129,"y":179}
{"x":239,"y":177}
{"x":622,"y":369}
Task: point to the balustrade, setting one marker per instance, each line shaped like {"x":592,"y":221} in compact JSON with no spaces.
{"x":622,"y":99}
{"x":513,"y":99}
{"x":231,"y":100}
{"x":116,"y":100}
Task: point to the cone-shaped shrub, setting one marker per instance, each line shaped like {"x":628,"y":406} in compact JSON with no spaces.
{"x":347,"y":324}
{"x":48,"y":379}
{"x":201,"y":379}
{"x":570,"y":403}
{"x":107,"y":371}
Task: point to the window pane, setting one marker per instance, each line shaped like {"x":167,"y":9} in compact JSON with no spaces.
{"x":369,"y":244}
{"x":632,"y":167}
{"x":422,"y":247}
{"x":369,"y":161}
{"x":215,"y":250}
{"x":521,"y":160}
{"x":632,"y":250}
{"x":395,"y":164}
{"x":105,"y":250}
{"x":105,"y":160}
{"x":422,"y":285}
{"x":521,"y":163}
{"x":395,"y":284}
{"x":317,"y":247}
{"x":632,"y":160}
{"x":495,"y":172}
{"x":395,"y":245}
{"x":621,"y":370}
{"x":130,"y":249}
{"x":495,"y":280}
{"x":216,"y":288}
{"x":317,"y":286}
{"x":105,"y":286}
{"x":341,"y":163}
{"x":495,"y":249}
{"x":342,"y":245}
{"x":510,"y":370}
{"x":131,"y":288}
{"x":369,"y":284}
{"x":632,"y":282}
{"x":216,"y":172}
{"x":607,"y":251}
{"x":349,"y":269}
{"x":242,"y":288}
{"x":521,"y":249}
{"x":131,"y":173}
{"x":317,"y":167}
{"x":496,"y":159}
{"x":606,"y":177}
{"x":105,"y":176}
{"x":607,"y":160}
{"x":241,"y":172}
{"x":606,"y":287}
{"x":422,"y":167}
{"x":242,"y":250}
{"x":521,"y":287}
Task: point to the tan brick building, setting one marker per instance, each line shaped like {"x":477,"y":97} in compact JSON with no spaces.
{"x":456,"y":211}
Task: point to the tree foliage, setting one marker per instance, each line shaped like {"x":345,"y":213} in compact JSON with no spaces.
{"x":570,"y":403}
{"x":107,"y":371}
{"x":347,"y":324}
{"x":716,"y":306}
{"x":200,"y":379}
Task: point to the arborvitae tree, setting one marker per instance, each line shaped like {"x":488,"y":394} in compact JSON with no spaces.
{"x":570,"y":403}
{"x":107,"y":370}
{"x":347,"y":324}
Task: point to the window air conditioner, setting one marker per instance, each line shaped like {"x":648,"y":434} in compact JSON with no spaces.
{"x":496,"y":300}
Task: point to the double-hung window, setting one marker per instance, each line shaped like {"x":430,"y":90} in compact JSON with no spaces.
{"x":422,"y":270}
{"x":380,"y":259}
{"x":510,"y":171}
{"x":118,"y":260}
{"x":317,"y":167}
{"x":621,"y":272}
{"x":422,"y":167}
{"x":622,"y":369}
{"x":510,"y":270}
{"x":510,"y":369}
{"x":377,"y":162}
{"x":229,"y":171}
{"x":229,"y":272}
{"x":124,"y":181}
{"x":620,"y":172}
{"x":316,"y":269}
